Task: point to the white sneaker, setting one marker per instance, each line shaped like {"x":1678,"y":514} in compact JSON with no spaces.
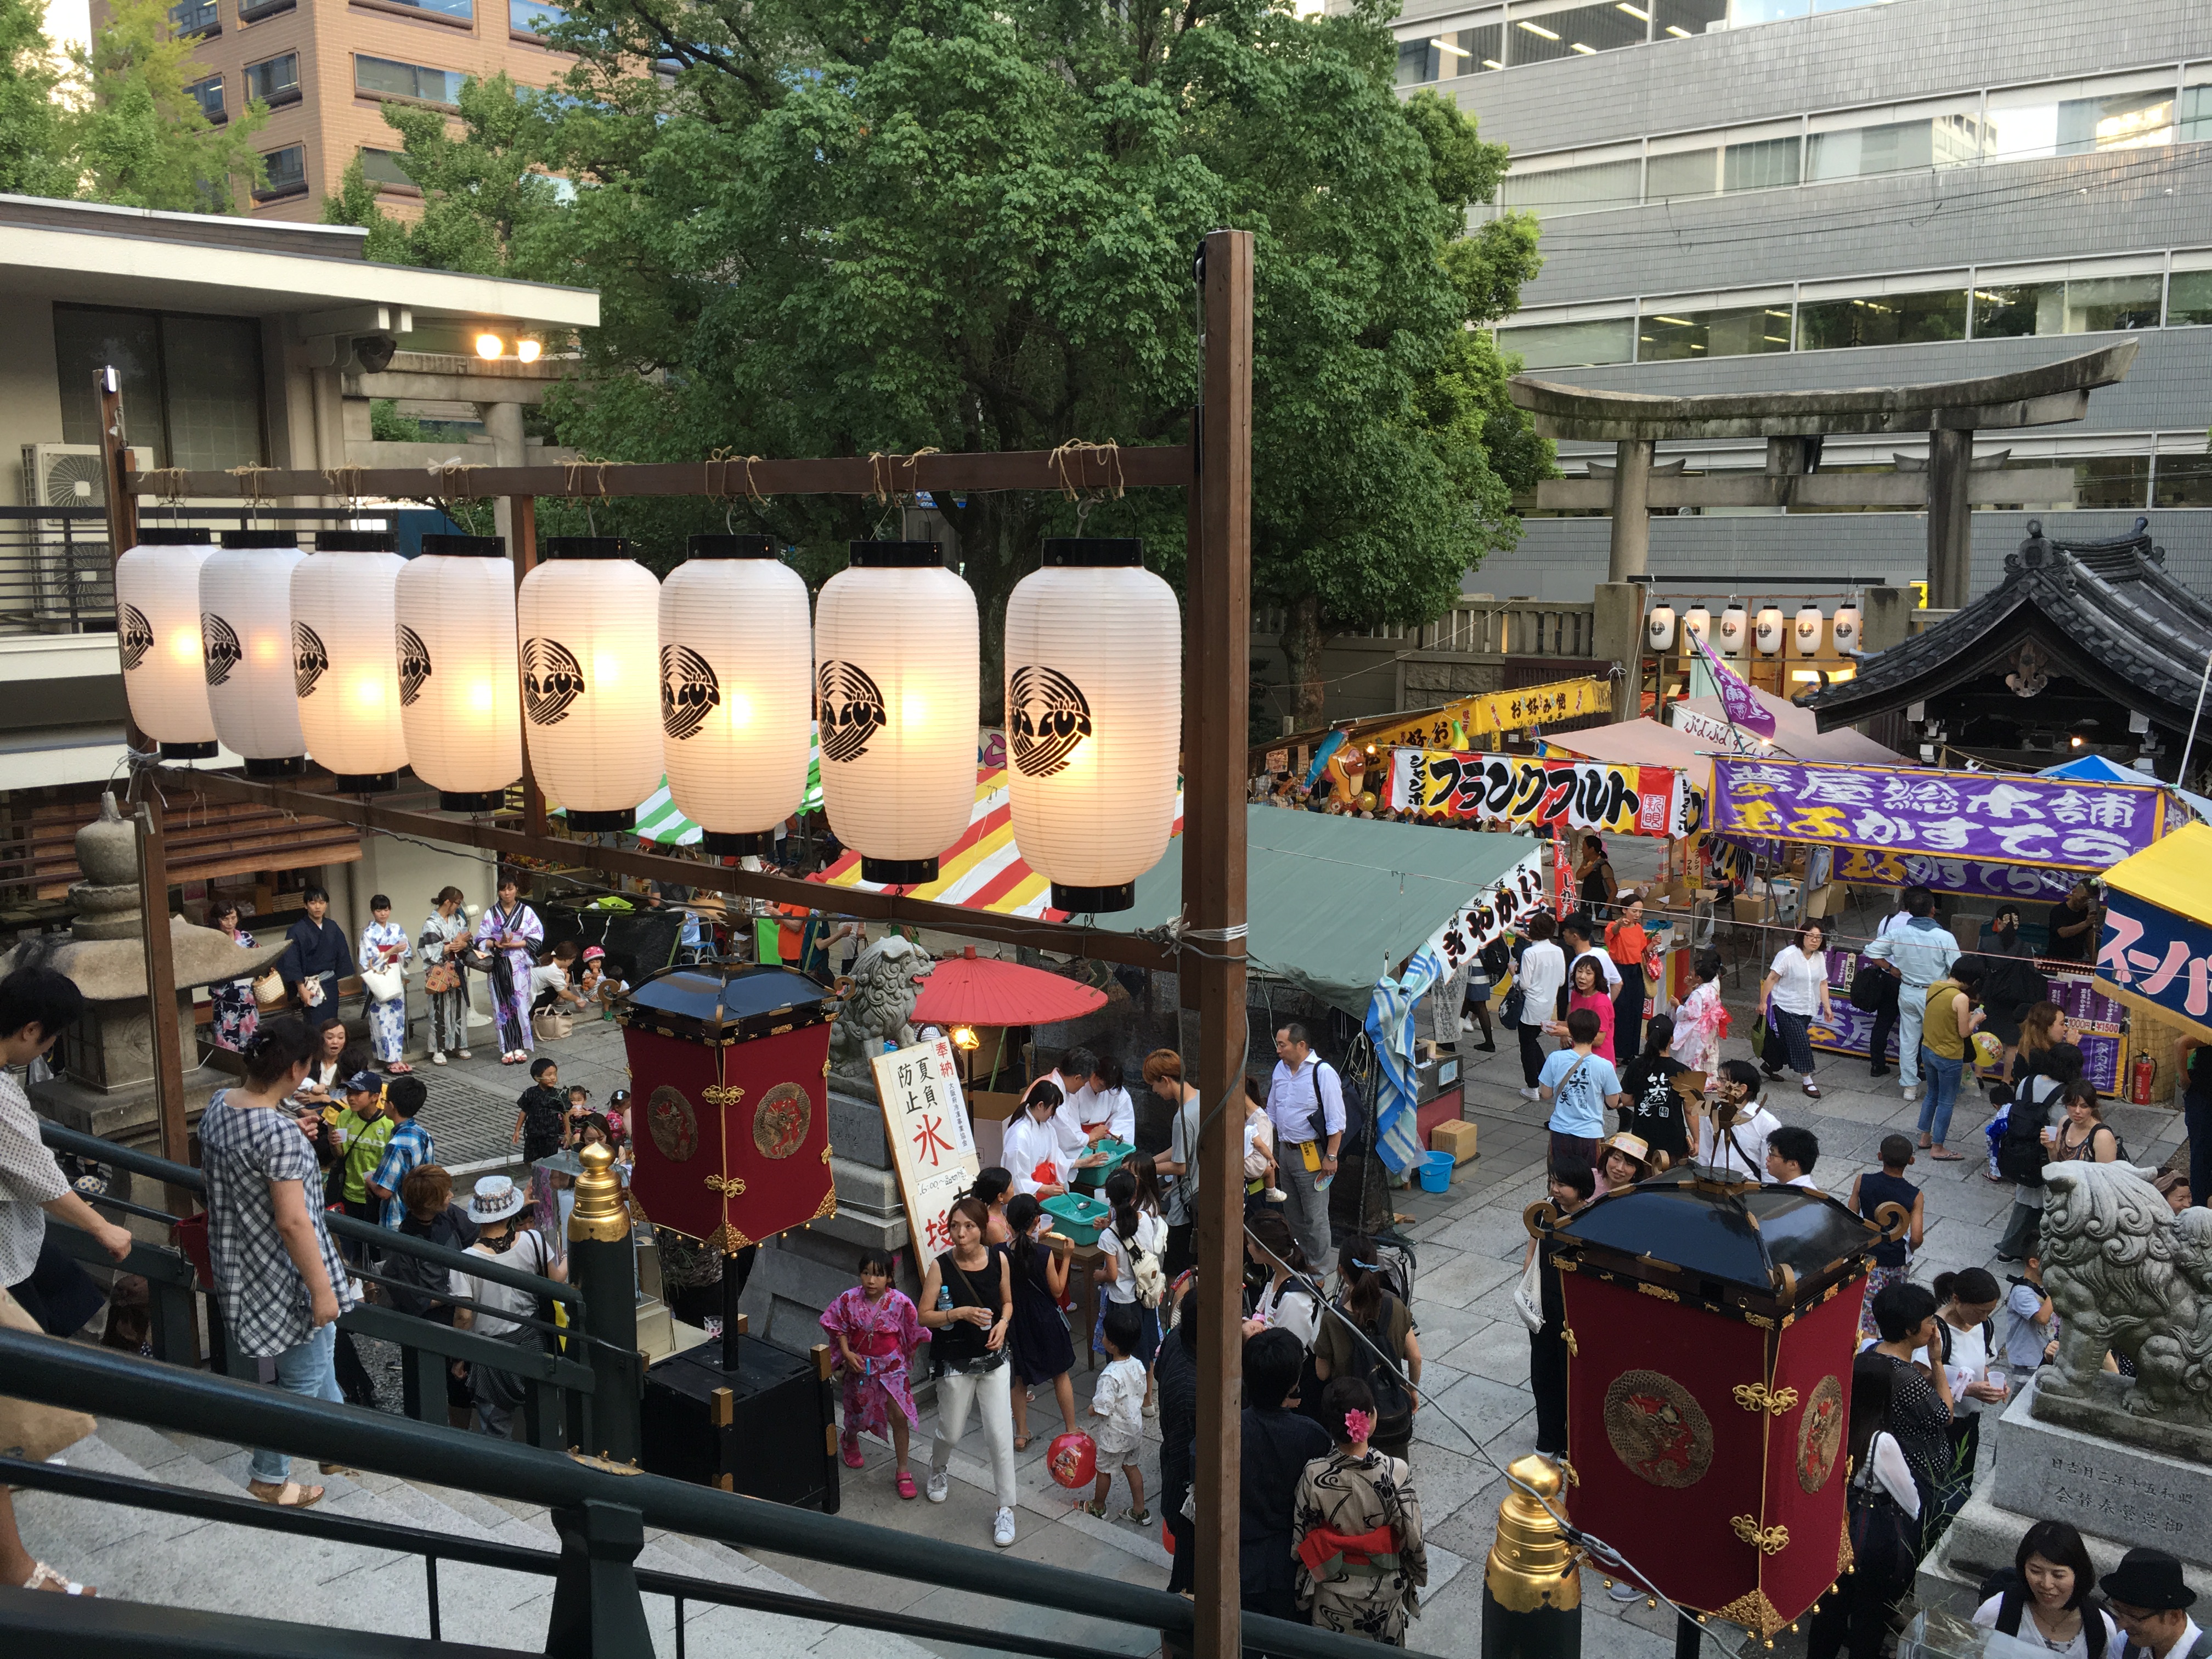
{"x":1152,"y":1407}
{"x":939,"y":1485}
{"x":461,"y":1053}
{"x":1002,"y":1529}
{"x":437,"y":1058}
{"x":1530,"y":1094}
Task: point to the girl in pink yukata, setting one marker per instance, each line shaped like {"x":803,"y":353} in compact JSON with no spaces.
{"x":1700,"y":1022}
{"x":877,"y":1328}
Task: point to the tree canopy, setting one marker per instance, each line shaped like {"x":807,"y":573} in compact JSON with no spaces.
{"x":887,"y":225}
{"x":115,"y":122}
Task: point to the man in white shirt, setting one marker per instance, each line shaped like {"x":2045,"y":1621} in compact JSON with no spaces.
{"x":2150,"y":1601}
{"x":1306,"y":1102}
{"x":1539,"y":974}
{"x":1921,"y":951}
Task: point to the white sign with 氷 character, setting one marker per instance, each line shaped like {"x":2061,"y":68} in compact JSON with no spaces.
{"x":932,"y":1147}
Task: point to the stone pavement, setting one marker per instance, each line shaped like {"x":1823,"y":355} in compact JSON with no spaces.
{"x":1479,"y":1416}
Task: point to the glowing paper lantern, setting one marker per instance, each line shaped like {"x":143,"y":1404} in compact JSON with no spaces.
{"x":1734,"y":625}
{"x":344,"y":671}
{"x":460,"y":700}
{"x":896,"y":685}
{"x":157,"y":625}
{"x":1094,"y":719}
{"x":1659,"y":628}
{"x":588,"y":622}
{"x":1767,"y":632}
{"x":1699,"y":620}
{"x":737,"y":688}
{"x":1809,"y":630}
{"x":245,"y":645}
{"x":1846,"y":630}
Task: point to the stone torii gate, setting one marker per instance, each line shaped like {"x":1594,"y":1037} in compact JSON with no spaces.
{"x":1792,"y":423}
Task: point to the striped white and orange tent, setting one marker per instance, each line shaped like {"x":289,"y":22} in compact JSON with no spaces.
{"x":983,"y":870}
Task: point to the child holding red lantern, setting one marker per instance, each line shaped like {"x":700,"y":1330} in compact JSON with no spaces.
{"x":877,"y":1330}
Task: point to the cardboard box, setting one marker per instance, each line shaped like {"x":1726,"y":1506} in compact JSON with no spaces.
{"x":1826,"y":901}
{"x":1454,"y":1136}
{"x":1751,"y":906}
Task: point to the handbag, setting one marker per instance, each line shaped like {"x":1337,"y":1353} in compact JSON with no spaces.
{"x":383,"y":984}
{"x":550,"y":1025}
{"x":441,"y":977}
{"x":29,"y":1430}
{"x":1873,"y":989}
{"x":1529,"y":1295}
{"x":1759,"y":1030}
{"x":1515,"y":1006}
{"x":269,"y":990}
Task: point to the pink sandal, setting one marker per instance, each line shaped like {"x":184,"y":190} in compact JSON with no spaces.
{"x":906,"y":1488}
{"x":852,"y":1459}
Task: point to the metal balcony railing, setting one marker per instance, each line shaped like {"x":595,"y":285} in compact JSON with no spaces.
{"x":1472,"y":628}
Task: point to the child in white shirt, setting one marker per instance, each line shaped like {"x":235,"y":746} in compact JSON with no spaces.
{"x":1118,"y":1405}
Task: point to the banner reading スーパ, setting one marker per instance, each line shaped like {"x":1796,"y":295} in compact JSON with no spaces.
{"x":1518,"y":792}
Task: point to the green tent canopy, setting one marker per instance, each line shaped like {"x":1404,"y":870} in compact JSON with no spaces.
{"x":1336,"y":902}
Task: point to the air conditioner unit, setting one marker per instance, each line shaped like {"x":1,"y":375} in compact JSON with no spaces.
{"x":72,"y":576}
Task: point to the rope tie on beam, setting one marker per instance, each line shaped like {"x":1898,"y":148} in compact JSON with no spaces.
{"x":574,"y":475}
{"x":459,"y":474}
{"x":882,"y":474}
{"x":167,"y":483}
{"x":249,"y":483}
{"x":1070,"y":460}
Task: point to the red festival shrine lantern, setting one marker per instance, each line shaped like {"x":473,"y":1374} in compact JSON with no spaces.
{"x":1710,"y":1329}
{"x":730,"y":1108}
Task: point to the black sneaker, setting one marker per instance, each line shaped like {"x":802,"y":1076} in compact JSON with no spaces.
{"x":1877,"y":1071}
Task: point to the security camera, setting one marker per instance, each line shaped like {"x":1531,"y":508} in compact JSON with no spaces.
{"x":374,"y":352}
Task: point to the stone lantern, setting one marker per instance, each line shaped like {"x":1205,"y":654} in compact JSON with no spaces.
{"x":104,"y":1084}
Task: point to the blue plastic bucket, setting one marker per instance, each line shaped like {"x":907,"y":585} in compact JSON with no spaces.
{"x":1437,"y":1172}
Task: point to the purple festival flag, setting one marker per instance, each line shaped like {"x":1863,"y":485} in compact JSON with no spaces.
{"x":1741,"y":707}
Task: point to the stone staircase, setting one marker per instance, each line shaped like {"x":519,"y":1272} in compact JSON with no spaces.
{"x":183,"y":1561}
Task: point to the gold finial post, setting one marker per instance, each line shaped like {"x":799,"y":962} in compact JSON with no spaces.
{"x":599,"y":1213}
{"x":1532,"y":1587}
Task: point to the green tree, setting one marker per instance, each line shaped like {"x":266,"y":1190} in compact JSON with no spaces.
{"x":893,"y":224}
{"x":34,"y":140}
{"x":140,"y":139}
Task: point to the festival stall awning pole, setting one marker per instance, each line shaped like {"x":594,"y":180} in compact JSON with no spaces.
{"x":2156,"y":952}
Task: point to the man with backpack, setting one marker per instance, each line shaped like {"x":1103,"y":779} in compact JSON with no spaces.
{"x":1306,"y":1102}
{"x":2021,"y":1154}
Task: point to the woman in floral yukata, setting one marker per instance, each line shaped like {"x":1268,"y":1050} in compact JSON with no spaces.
{"x":875,"y":1330}
{"x":509,"y":935}
{"x":384,"y":944}
{"x":1357,"y":1522}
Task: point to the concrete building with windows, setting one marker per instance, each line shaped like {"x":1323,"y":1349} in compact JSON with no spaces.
{"x":1742,"y":195}
{"x":328,"y":68}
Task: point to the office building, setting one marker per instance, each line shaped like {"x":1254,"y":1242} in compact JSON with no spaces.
{"x":328,"y":68}
{"x":1740,"y":195}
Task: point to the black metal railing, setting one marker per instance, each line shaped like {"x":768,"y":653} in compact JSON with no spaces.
{"x":560,"y":1380}
{"x":600,"y":1515}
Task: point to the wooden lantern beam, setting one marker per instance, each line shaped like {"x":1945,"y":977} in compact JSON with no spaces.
{"x":488,"y":835}
{"x":1089,"y":469}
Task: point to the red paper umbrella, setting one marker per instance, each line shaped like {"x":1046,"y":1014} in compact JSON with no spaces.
{"x":972,"y":990}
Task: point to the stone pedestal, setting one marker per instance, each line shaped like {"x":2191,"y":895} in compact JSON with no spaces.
{"x":2119,"y":1496}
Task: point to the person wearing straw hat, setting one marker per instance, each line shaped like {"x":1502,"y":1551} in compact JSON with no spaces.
{"x":1626,"y":1160}
{"x":496,"y":1207}
{"x":2150,"y":1603}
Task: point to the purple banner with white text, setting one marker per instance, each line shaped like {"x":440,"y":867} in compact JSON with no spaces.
{"x":1977,"y":816}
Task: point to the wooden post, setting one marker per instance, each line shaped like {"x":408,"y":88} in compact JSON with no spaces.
{"x":162,"y":1028}
{"x":522,"y":511}
{"x":161,"y":983}
{"x":1215,"y":700}
{"x":1950,"y":518}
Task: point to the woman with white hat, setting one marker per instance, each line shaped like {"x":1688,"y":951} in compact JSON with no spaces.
{"x":497,"y":1208}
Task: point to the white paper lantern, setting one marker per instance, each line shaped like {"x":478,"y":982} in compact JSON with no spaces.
{"x":1659,"y":628}
{"x":461,"y":696}
{"x":157,"y":625}
{"x":1846,"y":630}
{"x":1094,"y":719}
{"x":737,"y":692}
{"x":1699,"y":620}
{"x":1735,"y":629}
{"x":344,"y":671}
{"x":1809,"y":630}
{"x":1767,"y":631}
{"x":589,"y":622}
{"x":245,"y":646}
{"x":896,"y":683}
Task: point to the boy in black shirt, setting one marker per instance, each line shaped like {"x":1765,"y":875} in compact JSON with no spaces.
{"x":541,"y":1114}
{"x":1653,"y":1111}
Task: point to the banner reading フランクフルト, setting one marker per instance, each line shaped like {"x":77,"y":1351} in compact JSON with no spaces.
{"x":1515,"y":792}
{"x":1975,"y":815}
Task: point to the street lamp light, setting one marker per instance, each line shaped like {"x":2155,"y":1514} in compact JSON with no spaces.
{"x":488,"y":346}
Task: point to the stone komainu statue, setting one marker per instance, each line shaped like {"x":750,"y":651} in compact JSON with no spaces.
{"x":886,"y":980}
{"x":2125,"y":1273}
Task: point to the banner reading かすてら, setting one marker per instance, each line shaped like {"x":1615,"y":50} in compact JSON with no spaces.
{"x":1524,"y":794}
{"x":1968,"y":815}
